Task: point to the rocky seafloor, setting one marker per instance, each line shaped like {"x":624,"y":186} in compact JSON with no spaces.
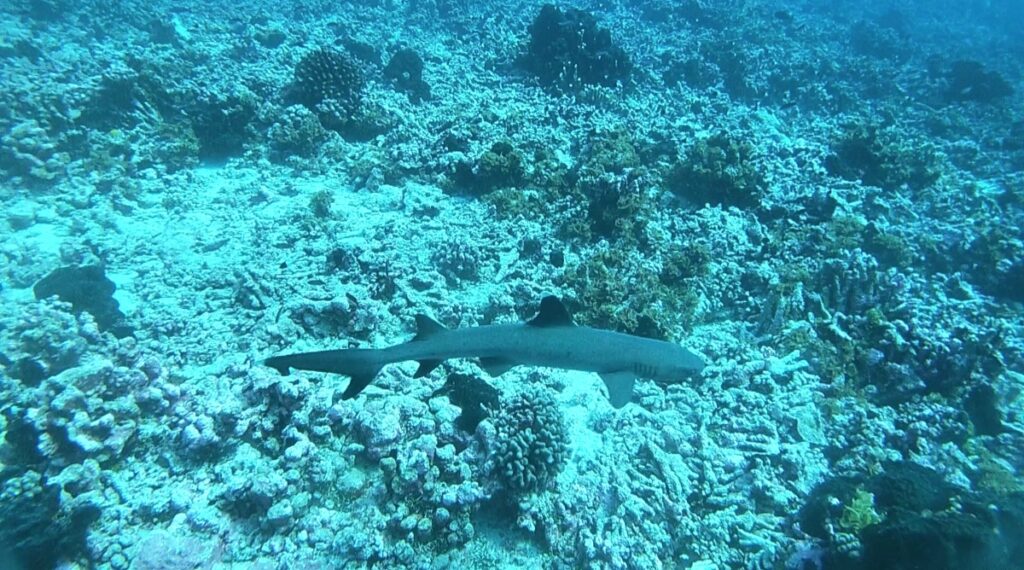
{"x":824,"y":199}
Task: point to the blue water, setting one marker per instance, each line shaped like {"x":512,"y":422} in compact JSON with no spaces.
{"x":823,"y":200}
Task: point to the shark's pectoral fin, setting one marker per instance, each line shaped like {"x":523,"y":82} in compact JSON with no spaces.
{"x":356,"y":385}
{"x":426,"y":367}
{"x":620,"y":387}
{"x":496,"y":366}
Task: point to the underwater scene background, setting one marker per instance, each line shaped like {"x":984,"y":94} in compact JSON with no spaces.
{"x":824,"y":199}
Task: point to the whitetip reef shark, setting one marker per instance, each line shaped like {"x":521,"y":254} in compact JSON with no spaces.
{"x":550,"y":339}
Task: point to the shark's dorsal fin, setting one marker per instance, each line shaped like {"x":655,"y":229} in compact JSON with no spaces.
{"x":427,"y":327}
{"x":552,"y":314}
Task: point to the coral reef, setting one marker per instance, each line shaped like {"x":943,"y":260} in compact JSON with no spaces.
{"x":501,"y":166}
{"x":162,"y":550}
{"x":878,"y":157}
{"x":297,"y":132}
{"x":88,"y":289}
{"x":824,"y":202}
{"x":568,"y":50}
{"x":942,"y":540}
{"x":970,"y":81}
{"x":909,"y":518}
{"x":40,"y":528}
{"x":67,"y":426}
{"x":720,"y":171}
{"x":458,"y":261}
{"x":28,"y":150}
{"x":223,"y":123}
{"x":405,"y":70}
{"x":606,"y":300}
{"x":429,"y":487}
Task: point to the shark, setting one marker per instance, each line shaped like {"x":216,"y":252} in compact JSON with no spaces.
{"x":550,"y":339}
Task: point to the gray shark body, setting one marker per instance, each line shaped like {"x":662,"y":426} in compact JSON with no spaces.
{"x":550,"y":339}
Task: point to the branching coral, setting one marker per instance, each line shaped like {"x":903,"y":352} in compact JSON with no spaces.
{"x":530,"y":440}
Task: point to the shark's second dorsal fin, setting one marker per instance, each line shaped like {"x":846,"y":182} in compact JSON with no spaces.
{"x":427,"y":327}
{"x":552,"y":314}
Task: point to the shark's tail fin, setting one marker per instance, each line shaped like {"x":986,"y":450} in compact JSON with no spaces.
{"x":357,"y":364}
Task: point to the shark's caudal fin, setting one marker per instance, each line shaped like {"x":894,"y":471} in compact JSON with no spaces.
{"x":361,"y":366}
{"x":357,"y":364}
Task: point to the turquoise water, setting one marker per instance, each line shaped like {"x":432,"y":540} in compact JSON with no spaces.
{"x":823,"y":200}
